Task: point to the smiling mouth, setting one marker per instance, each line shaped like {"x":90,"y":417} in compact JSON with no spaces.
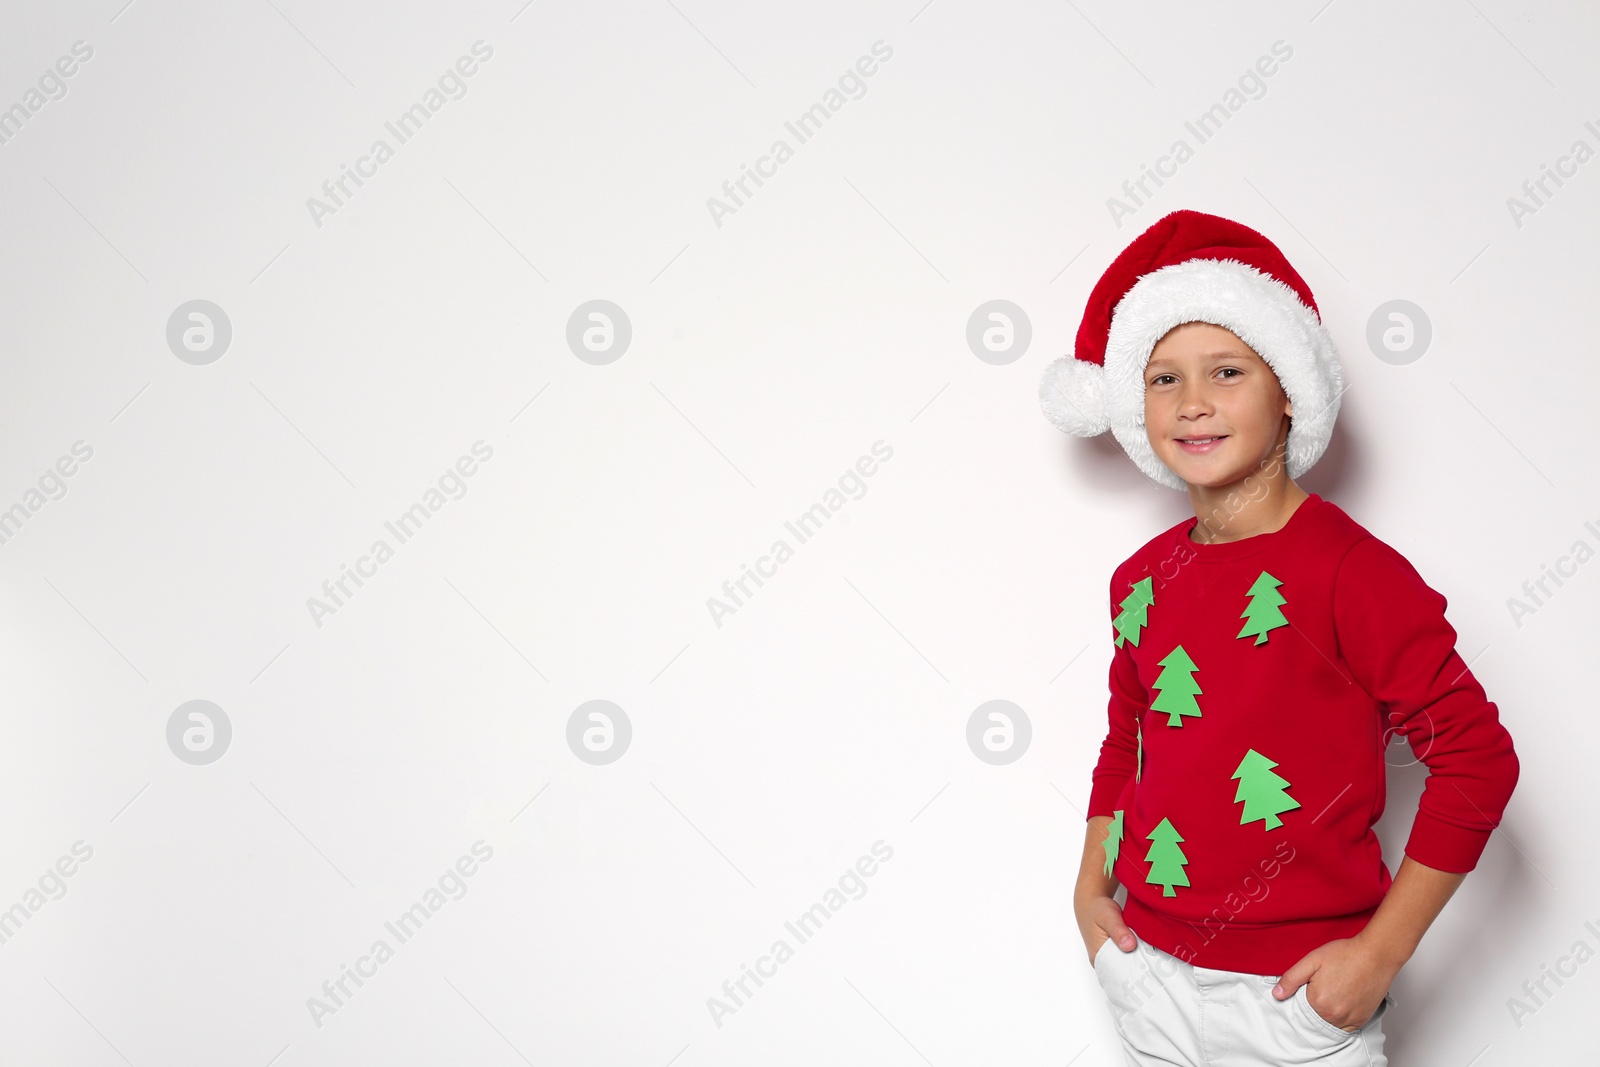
{"x":1200,"y":444}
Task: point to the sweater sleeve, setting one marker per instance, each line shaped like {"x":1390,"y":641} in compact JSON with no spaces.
{"x":1119,"y":752}
{"x":1393,"y":635}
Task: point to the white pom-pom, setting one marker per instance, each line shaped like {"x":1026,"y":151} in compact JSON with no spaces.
{"x":1073,"y":395}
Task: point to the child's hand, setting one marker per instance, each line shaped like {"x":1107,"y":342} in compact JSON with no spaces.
{"x":1351,"y":978}
{"x":1099,"y":918}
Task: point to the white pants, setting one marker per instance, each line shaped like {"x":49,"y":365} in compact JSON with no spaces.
{"x":1169,"y":1013}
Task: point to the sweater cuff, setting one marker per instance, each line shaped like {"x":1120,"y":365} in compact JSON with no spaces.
{"x":1445,"y":846}
{"x":1104,"y":794}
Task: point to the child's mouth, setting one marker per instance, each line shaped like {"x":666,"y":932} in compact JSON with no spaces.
{"x":1196,"y":446}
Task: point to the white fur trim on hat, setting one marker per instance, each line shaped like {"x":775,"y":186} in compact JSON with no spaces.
{"x":1073,"y":395}
{"x":1265,"y":313}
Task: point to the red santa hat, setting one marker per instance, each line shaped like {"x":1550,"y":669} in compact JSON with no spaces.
{"x":1194,"y":267}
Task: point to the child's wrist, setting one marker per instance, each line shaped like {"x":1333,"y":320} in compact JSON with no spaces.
{"x":1098,"y":887}
{"x":1388,"y":951}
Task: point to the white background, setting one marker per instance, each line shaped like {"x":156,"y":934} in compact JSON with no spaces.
{"x":769,"y":353}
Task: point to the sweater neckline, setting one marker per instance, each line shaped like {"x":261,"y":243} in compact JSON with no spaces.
{"x":1247,"y":546}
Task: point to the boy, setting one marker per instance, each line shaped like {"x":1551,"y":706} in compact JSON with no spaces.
{"x":1263,"y":650}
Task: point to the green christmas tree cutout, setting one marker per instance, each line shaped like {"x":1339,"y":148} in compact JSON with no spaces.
{"x":1166,"y":859}
{"x":1138,"y":771}
{"x":1262,"y":614}
{"x":1262,"y":790}
{"x":1113,"y":842}
{"x":1178,"y":687}
{"x":1135,"y":614}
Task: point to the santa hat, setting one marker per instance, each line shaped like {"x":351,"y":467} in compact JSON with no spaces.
{"x":1194,"y":267}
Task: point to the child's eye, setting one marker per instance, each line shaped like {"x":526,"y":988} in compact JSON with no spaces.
{"x":1158,"y":378}
{"x":1230,"y":370}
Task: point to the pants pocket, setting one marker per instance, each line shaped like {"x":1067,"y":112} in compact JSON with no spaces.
{"x":1320,"y":1027}
{"x":1106,"y":949}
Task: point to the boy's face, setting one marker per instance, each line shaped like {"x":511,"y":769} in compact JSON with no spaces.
{"x":1202,"y":382}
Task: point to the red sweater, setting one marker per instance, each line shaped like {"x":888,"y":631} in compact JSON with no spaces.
{"x":1253,"y":688}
